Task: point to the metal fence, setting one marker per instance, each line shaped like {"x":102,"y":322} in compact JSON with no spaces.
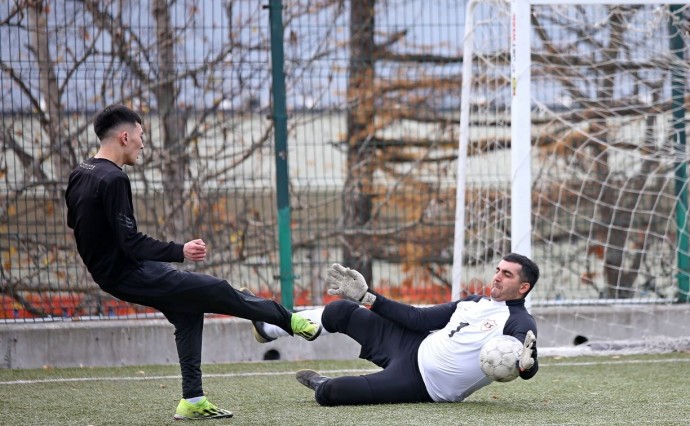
{"x":372,"y":96}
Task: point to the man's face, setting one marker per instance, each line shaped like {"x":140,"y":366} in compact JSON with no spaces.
{"x":134,"y":143}
{"x":507,"y":283}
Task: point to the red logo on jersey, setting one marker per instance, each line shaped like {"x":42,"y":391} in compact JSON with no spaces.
{"x":488,"y":325}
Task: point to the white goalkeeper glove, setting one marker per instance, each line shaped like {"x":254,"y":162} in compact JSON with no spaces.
{"x":348,"y":283}
{"x":526,"y":360}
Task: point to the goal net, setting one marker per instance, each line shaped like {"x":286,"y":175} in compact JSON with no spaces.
{"x":573,"y":152}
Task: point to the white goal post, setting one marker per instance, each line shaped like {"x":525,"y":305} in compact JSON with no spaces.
{"x":604,"y":122}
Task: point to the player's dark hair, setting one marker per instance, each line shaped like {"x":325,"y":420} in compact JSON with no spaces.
{"x":530,"y":270}
{"x":112,"y":116}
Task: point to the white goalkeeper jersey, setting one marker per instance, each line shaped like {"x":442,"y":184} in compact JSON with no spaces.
{"x":449,"y":358}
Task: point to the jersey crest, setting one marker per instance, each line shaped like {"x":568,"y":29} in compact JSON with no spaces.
{"x":489,"y":325}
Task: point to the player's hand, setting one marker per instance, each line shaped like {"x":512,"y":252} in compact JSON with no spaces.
{"x":195,"y":250}
{"x":526,"y":361}
{"x":346,"y":282}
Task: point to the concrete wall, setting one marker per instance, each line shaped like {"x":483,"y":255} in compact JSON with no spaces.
{"x":147,"y":342}
{"x":558,"y":326}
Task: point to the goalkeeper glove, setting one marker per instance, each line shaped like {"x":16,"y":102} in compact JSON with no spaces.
{"x":348,"y":283}
{"x":526,"y":361}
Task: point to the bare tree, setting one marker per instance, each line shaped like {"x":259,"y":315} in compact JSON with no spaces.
{"x":198,"y":107}
{"x":361,"y":113}
{"x":99,"y":56}
{"x":628,"y":214}
{"x":407,"y":219}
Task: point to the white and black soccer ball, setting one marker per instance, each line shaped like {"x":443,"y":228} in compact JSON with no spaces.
{"x":499,"y":356}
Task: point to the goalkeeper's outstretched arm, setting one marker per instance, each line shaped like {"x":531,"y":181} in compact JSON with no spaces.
{"x":350,"y":284}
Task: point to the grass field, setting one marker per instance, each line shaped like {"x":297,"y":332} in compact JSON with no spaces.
{"x":631,"y":390}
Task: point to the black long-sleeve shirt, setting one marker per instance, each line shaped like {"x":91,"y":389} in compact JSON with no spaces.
{"x":101,"y":213}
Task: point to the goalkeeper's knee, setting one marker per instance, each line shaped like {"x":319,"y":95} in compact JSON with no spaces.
{"x":336,"y":315}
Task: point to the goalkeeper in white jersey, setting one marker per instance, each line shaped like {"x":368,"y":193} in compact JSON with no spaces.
{"x":428,"y":354}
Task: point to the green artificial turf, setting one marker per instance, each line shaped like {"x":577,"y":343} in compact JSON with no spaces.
{"x":650,"y":389}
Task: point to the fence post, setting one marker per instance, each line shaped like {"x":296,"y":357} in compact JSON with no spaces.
{"x":677,"y":46}
{"x":280,"y":131}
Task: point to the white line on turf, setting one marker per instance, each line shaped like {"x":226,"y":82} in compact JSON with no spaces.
{"x":327,"y":372}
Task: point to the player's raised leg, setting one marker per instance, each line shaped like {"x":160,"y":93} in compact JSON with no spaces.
{"x":306,"y":324}
{"x":264,"y":332}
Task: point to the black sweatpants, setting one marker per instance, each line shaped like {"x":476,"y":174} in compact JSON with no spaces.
{"x":384,"y":343}
{"x":184,"y":297}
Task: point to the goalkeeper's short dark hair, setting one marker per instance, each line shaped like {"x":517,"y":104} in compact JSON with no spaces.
{"x":530,"y":270}
{"x":112,"y":116}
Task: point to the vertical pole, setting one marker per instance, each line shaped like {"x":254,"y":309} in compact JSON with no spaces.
{"x":463,"y":143}
{"x":677,"y":47}
{"x":280,"y":130}
{"x":520,"y":129}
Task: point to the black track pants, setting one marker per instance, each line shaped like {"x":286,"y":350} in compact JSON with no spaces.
{"x":384,"y":343}
{"x":184,"y":297}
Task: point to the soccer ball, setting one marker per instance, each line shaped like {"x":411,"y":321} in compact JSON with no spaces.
{"x":499,"y":356}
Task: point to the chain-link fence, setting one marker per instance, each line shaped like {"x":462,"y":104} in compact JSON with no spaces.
{"x":372,"y":93}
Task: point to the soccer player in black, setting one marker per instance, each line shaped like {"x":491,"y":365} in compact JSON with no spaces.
{"x":134,"y":267}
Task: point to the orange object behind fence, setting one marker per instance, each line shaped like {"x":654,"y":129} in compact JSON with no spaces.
{"x":43,"y":305}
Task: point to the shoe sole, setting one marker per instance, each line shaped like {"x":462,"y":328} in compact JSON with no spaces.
{"x":218,"y":416}
{"x":256,"y":325}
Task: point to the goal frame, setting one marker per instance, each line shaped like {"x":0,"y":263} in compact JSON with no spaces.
{"x":521,"y":176}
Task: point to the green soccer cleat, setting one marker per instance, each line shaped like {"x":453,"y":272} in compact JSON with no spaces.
{"x":303,"y":327}
{"x":257,"y":326}
{"x":202,"y":410}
